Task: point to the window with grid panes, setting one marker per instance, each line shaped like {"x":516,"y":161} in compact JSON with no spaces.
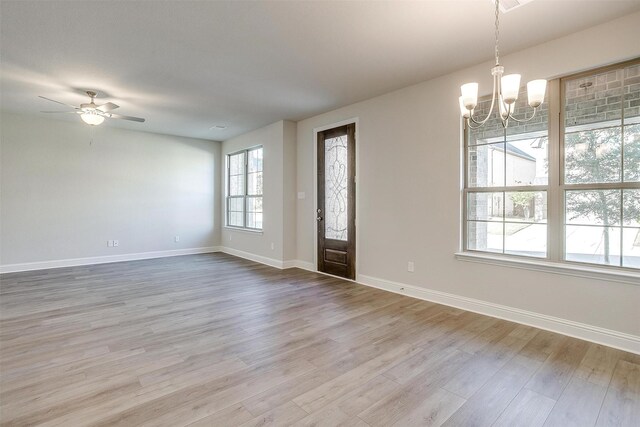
{"x":506,"y":184}
{"x":601,"y":166}
{"x":244,"y":189}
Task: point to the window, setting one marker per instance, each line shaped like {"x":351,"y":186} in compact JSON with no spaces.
{"x":507,"y":185}
{"x":569,"y":195}
{"x":244,"y":189}
{"x":601,"y":166}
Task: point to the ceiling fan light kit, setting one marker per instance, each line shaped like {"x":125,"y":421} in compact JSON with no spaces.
{"x":93,"y":114}
{"x":505,"y":91}
{"x":92,"y":118}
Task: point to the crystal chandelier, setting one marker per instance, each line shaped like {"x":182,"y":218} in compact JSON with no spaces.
{"x":505,"y":91}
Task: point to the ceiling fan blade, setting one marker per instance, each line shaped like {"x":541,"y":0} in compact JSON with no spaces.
{"x":118,"y":116}
{"x":61,"y":112}
{"x":108,"y":107}
{"x":58,"y":102}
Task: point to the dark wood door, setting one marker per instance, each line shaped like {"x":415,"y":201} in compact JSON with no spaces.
{"x":336,"y":214}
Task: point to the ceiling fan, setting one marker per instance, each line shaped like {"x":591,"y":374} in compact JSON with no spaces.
{"x":91,"y":113}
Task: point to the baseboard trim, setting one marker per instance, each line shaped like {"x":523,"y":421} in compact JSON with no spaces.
{"x":257,"y":258}
{"x":74,"y":262}
{"x":608,"y":337}
{"x":304,"y":265}
{"x":282,"y":265}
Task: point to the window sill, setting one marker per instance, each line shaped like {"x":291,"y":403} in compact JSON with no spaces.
{"x":566,"y":269}
{"x":243,"y":230}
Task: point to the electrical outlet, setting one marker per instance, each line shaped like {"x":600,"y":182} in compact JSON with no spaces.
{"x":109,"y":243}
{"x":115,"y":243}
{"x":410,"y":267}
{"x":229,"y":237}
{"x":273,"y":246}
{"x":177,"y":239}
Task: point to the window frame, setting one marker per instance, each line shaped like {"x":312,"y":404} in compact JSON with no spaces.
{"x":564,"y":187}
{"x":245,"y":196}
{"x":556,"y":189}
{"x":504,"y":189}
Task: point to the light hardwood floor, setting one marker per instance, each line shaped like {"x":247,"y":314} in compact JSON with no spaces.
{"x":214,"y":340}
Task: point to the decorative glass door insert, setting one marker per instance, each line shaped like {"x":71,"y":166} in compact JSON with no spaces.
{"x":336,"y":191}
{"x":335,"y":215}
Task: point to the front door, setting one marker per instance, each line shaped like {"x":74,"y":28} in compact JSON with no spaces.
{"x":336,"y":214}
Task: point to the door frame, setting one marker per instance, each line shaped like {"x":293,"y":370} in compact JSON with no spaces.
{"x":355,"y":121}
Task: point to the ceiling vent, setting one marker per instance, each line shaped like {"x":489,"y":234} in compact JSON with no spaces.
{"x":509,"y":5}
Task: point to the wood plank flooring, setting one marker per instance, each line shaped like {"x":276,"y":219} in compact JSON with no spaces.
{"x":214,"y":340}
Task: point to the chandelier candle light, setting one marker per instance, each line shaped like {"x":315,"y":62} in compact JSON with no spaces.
{"x":505,"y":91}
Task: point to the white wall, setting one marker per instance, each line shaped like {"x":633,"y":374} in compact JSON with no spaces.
{"x":278,"y":141}
{"x":409,"y":188}
{"x":289,"y":195}
{"x":63,"y":198}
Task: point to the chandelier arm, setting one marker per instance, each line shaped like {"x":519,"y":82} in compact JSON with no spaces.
{"x":471,"y":126}
{"x":535,"y":109}
{"x":506,"y":108}
{"x":493,"y":100}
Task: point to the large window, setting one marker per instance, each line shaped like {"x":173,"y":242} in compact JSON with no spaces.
{"x":565,"y":186}
{"x":601,"y":166}
{"x":244,"y":189}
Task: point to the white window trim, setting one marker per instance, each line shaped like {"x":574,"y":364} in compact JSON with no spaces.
{"x":244,"y":230}
{"x":245,"y":195}
{"x":566,"y":268}
{"x":554,"y":262}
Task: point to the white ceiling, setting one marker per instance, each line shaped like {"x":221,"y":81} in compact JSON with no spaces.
{"x":187,"y":66}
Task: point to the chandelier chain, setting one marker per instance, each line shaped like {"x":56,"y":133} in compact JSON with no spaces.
{"x":497,"y":30}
